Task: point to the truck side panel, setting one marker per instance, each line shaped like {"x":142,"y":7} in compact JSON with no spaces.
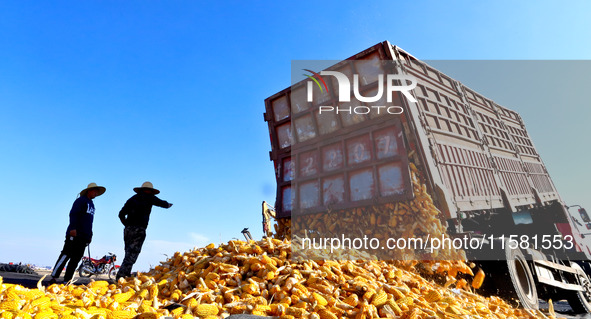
{"x":482,"y":150}
{"x":455,"y":141}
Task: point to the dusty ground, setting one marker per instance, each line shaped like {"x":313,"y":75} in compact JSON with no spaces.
{"x":30,"y":280}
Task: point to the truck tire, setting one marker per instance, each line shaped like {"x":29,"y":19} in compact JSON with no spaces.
{"x":509,"y":277}
{"x":580,"y":301}
{"x":521,"y":278}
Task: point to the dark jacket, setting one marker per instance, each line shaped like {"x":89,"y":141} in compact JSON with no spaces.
{"x":137,"y":209}
{"x":81,"y":218}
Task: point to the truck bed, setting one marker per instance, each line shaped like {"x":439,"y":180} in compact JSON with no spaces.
{"x":476,"y":154}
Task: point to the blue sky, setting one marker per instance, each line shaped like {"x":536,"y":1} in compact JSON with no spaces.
{"x":173,"y":92}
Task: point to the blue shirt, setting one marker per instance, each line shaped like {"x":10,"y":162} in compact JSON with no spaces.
{"x":81,"y":218}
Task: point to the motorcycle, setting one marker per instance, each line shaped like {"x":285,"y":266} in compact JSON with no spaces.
{"x":105,"y":265}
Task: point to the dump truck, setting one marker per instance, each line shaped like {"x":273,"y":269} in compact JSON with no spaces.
{"x":347,"y":137}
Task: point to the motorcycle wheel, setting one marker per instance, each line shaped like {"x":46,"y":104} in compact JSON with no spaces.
{"x":113,"y":273}
{"x":85,"y":269}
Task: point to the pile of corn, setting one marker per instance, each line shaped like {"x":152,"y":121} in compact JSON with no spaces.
{"x":258,"y":278}
{"x":416,"y":218}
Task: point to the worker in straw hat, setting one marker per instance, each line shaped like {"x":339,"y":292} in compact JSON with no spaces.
{"x":135,"y":216}
{"x":79,"y":232}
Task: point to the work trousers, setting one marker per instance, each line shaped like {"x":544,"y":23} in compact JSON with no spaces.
{"x":71,"y":253}
{"x":134,"y":237}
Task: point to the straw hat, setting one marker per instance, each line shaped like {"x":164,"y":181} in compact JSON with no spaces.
{"x":101,"y":189}
{"x":148,"y":186}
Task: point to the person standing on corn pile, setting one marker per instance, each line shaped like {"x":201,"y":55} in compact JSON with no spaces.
{"x":79,"y":232}
{"x":135,"y":216}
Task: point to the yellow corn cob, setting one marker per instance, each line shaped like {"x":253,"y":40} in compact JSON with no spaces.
{"x":124,"y":296}
{"x":121,"y":314}
{"x":10,"y":305}
{"x":144,"y":308}
{"x":394,"y":306}
{"x":190,"y":303}
{"x":34,"y":294}
{"x":239,"y":309}
{"x":176,"y":295}
{"x":320,"y":300}
{"x":325,"y":314}
{"x":296,"y":312}
{"x":203,"y":310}
{"x":297,"y":292}
{"x":264,"y":308}
{"x":6,"y":315}
{"x":46,"y":314}
{"x":176,"y":312}
{"x":478,"y":279}
{"x":187,"y":316}
{"x":260,"y":300}
{"x":287,"y":317}
{"x":278,"y":309}
{"x":97,"y":311}
{"x":413,"y":314}
{"x":59,"y":309}
{"x":302,"y":304}
{"x":379,"y":298}
{"x":77,"y":292}
{"x":153,"y":289}
{"x":367,"y":295}
{"x":301,"y":287}
{"x":12,"y":293}
{"x":41,"y":302}
{"x":461,"y":283}
{"x":256,"y":249}
{"x":270,"y":267}
{"x":212,"y":276}
{"x":250,"y":288}
{"x":454,"y":310}
{"x":144,"y":293}
{"x":148,"y":315}
{"x":433,"y":296}
{"x":352,"y":300}
{"x":228,"y":268}
{"x":97,"y":284}
{"x":261,"y":310}
{"x":24,"y":315}
{"x":405,"y":301}
{"x":266,"y":259}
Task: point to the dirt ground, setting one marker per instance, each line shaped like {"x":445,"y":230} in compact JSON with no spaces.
{"x":30,"y":280}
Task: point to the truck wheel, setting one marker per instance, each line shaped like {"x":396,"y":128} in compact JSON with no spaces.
{"x":511,"y":279}
{"x":521,"y":278}
{"x":580,"y":301}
